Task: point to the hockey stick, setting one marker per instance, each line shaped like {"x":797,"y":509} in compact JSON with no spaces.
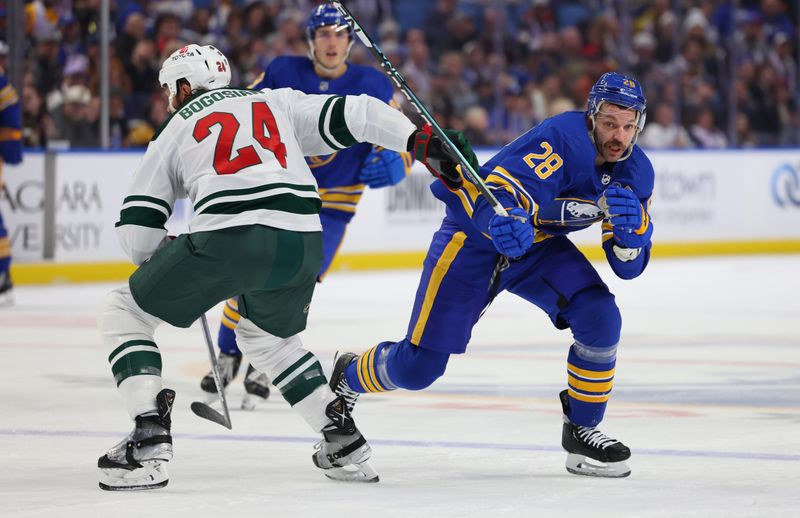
{"x":393,"y":74}
{"x":202,"y":409}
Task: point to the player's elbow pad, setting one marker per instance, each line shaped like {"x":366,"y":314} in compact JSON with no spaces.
{"x":140,"y":243}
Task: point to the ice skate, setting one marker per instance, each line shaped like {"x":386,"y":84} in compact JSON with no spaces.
{"x":338,"y":381}
{"x":139,"y":461}
{"x":343,"y":452}
{"x":256,"y":387}
{"x":591,"y":452}
{"x":228,"y":369}
{"x":6,"y":291}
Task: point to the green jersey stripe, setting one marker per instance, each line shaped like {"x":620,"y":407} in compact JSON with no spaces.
{"x":303,"y":383}
{"x":148,"y":199}
{"x":322,"y":117}
{"x":280,"y":202}
{"x":137,"y":363}
{"x":130,"y":343}
{"x":338,"y":125}
{"x":142,"y":216}
{"x":292,"y":368}
{"x":253,"y":190}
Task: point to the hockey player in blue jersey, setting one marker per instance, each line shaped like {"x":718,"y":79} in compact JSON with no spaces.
{"x":10,"y":153}
{"x":341,"y":177}
{"x":569,"y":172}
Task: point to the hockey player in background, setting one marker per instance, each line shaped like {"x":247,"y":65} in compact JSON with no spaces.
{"x":569,"y":172}
{"x":239,"y":156}
{"x":10,"y":153}
{"x":341,"y":176}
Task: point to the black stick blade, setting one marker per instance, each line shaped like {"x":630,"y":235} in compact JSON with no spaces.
{"x":206,"y":412}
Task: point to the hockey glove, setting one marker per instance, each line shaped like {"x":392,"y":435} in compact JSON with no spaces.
{"x":11,"y":151}
{"x":440,"y":161}
{"x":631,"y":225}
{"x":382,"y":168}
{"x":512,"y":235}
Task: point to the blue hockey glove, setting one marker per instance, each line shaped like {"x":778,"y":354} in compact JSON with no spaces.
{"x":512,"y":235}
{"x":11,"y":151}
{"x":382,"y":168}
{"x":627,"y":216}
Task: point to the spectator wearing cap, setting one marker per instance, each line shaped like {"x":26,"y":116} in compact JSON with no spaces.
{"x":750,"y":40}
{"x":73,"y":118}
{"x":71,"y":39}
{"x":76,"y":72}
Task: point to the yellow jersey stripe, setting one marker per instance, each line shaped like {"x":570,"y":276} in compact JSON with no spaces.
{"x":350,"y":198}
{"x":231,"y":313}
{"x":339,"y":206}
{"x":227,"y":322}
{"x":501,"y":175}
{"x":588,"y":399}
{"x":10,"y":134}
{"x":359,"y":188}
{"x":371,"y":372}
{"x":590,"y":386}
{"x":439,"y":271}
{"x":363,"y":372}
{"x":590,"y":375}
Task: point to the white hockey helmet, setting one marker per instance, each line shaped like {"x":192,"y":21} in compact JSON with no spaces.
{"x":203,"y":67}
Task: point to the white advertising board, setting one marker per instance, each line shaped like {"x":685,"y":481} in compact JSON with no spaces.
{"x":699,"y":196}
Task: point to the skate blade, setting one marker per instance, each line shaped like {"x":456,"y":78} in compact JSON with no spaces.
{"x":6,"y":299}
{"x":353,"y":473}
{"x":581,"y":465}
{"x":251,"y":401}
{"x":152,"y":475}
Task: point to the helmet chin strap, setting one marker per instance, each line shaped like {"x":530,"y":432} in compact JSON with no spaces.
{"x":171,"y":105}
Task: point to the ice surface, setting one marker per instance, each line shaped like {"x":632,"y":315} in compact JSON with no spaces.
{"x":707,"y":396}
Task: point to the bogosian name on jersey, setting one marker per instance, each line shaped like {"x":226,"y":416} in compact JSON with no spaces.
{"x":209,"y":99}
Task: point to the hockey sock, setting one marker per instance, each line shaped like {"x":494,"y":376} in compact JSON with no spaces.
{"x":589,"y":387}
{"x":136,"y":366}
{"x":392,"y":365}
{"x":226,"y":339}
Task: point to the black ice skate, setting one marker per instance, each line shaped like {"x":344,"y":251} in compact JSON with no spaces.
{"x":228,"y":369}
{"x":139,"y":461}
{"x":338,"y":382}
{"x":343,"y":452}
{"x":256,"y":387}
{"x":584,"y":445}
{"x":6,"y":290}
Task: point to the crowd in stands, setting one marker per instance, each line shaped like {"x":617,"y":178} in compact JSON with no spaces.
{"x":715,"y":75}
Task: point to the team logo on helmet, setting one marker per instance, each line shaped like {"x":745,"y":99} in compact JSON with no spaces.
{"x":326,"y":15}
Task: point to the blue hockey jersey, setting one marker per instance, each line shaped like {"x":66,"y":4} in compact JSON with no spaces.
{"x":550,"y":172}
{"x":337,"y":175}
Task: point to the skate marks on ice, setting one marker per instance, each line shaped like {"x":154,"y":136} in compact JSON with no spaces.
{"x":705,"y":397}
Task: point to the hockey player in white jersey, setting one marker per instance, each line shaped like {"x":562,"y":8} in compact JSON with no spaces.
{"x":239,"y":156}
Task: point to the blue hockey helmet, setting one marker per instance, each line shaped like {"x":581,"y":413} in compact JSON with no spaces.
{"x":625,"y":91}
{"x":326,"y":15}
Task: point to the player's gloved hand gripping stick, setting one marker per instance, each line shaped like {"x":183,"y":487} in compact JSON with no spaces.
{"x":452,"y":150}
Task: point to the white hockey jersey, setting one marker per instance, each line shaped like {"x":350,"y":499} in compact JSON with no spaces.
{"x":239,"y":156}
